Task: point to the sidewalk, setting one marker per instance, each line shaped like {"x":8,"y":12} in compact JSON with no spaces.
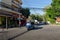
{"x":11,"y":33}
{"x":53,"y":25}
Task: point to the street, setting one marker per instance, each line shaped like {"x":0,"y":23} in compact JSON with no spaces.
{"x":44,"y":32}
{"x":29,"y":19}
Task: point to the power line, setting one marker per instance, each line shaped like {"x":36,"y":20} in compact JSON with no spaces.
{"x":35,"y":8}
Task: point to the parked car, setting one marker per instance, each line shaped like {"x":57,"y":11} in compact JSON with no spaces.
{"x":43,"y":23}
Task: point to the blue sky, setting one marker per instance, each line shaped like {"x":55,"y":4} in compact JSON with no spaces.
{"x":0,"y":0}
{"x":36,"y":4}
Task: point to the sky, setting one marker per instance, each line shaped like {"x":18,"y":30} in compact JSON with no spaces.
{"x":0,"y":0}
{"x":36,"y":4}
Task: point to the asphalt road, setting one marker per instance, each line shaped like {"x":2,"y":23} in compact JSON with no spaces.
{"x":45,"y":32}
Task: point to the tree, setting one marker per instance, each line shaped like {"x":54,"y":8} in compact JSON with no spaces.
{"x":36,"y":17}
{"x":56,"y":7}
{"x":53,"y":11}
{"x":25,"y":12}
{"x":32,"y":16}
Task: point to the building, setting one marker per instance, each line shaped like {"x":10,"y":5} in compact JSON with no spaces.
{"x":9,"y":9}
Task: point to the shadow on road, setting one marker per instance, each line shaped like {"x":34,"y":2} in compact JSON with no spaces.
{"x":36,"y":28}
{"x":18,"y":35}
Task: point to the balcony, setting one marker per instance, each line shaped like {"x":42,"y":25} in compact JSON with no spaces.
{"x":9,"y":7}
{"x":19,"y":1}
{"x":16,"y":4}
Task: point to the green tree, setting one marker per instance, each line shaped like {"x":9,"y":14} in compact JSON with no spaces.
{"x":25,"y":12}
{"x":32,"y":16}
{"x":53,"y":11}
{"x":36,"y":17}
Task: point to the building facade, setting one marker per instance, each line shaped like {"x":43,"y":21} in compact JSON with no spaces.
{"x":9,"y":9}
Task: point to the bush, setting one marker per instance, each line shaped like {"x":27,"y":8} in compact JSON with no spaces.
{"x":52,"y":21}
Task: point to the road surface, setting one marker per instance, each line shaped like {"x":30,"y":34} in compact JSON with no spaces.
{"x":44,"y":32}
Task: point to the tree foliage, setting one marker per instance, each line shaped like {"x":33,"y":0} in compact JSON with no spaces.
{"x":25,"y":12}
{"x":36,"y":17}
{"x":53,"y":11}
